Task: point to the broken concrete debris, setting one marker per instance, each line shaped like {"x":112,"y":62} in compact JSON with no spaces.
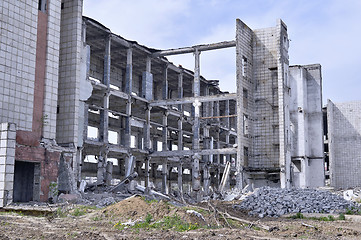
{"x":274,"y":202}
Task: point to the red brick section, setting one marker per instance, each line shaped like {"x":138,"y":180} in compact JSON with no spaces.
{"x":49,"y":162}
{"x":28,"y":142}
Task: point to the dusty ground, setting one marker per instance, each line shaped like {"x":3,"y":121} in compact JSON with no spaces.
{"x":79,"y":222}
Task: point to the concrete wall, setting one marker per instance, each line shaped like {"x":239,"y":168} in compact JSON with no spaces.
{"x":17,"y":63}
{"x":306,"y":126}
{"x":69,"y":72}
{"x":265,"y":153}
{"x":344,"y":134}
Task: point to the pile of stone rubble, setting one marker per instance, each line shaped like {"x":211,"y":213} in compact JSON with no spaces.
{"x":275,"y":202}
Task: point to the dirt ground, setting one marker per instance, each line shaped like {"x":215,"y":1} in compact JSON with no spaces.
{"x":215,"y":220}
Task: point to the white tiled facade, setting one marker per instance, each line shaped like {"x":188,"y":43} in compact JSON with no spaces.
{"x":69,"y":72}
{"x":7,"y":162}
{"x":17,"y":62}
{"x":52,"y":69}
{"x":344,"y":136}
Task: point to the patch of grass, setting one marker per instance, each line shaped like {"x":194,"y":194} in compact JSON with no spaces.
{"x":297,"y":216}
{"x":168,"y":222}
{"x":149,"y":201}
{"x":341,"y":217}
{"x":82,"y":210}
{"x":353,"y":211}
{"x":60,"y":212}
{"x":176,"y":223}
{"x":329,"y":218}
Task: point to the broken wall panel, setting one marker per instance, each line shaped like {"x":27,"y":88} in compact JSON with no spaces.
{"x":344,"y":138}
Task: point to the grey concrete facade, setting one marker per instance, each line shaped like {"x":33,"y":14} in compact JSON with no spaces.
{"x":344,"y":141}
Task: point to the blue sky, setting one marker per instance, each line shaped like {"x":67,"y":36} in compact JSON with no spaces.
{"x":321,"y":31}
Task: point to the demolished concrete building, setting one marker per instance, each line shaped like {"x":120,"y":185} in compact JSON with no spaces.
{"x":79,"y":101}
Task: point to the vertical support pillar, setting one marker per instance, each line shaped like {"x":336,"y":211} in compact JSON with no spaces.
{"x":102,"y":160}
{"x":228,"y":156}
{"x":165,"y":82}
{"x":165,"y":148}
{"x":86,"y":121}
{"x":206,"y":166}
{"x":180,"y":133}
{"x":147,"y":81}
{"x":147,"y":146}
{"x":180,"y":90}
{"x":180,"y":179}
{"x":239,"y":78}
{"x":127,"y":125}
{"x":107,"y":61}
{"x":104,"y":120}
{"x":196,"y":179}
{"x":104,"y":114}
{"x":165,"y":189}
{"x":7,"y":162}
{"x":109,"y":173}
{"x":129,"y":72}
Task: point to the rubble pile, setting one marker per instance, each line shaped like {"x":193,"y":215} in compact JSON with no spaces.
{"x":275,"y":202}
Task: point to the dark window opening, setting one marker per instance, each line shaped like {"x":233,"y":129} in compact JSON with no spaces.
{"x":42,"y":5}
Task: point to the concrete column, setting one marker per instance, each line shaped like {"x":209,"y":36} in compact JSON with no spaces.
{"x":104,"y":120}
{"x":180,"y":133}
{"x":165,"y":82}
{"x":180,"y":90}
{"x":196,"y":179}
{"x":102,"y":160}
{"x":239,"y":111}
{"x":147,"y":174}
{"x":127,"y":124}
{"x":206,"y":165}
{"x":109,"y":173}
{"x":165,"y":189}
{"x":180,"y":179}
{"x":165,"y":132}
{"x":107,"y":61}
{"x":7,"y":162}
{"x":147,"y":147}
{"x":129,"y":72}
{"x":86,"y":121}
{"x":129,"y":165}
{"x":139,"y":140}
{"x":147,"y":81}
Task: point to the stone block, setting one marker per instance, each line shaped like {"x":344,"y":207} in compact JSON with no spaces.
{"x":2,"y":168}
{"x":2,"y":186}
{"x":2,"y":159}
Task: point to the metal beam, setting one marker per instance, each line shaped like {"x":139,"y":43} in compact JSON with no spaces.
{"x":183,"y":153}
{"x":202,"y":47}
{"x":187,"y":100}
